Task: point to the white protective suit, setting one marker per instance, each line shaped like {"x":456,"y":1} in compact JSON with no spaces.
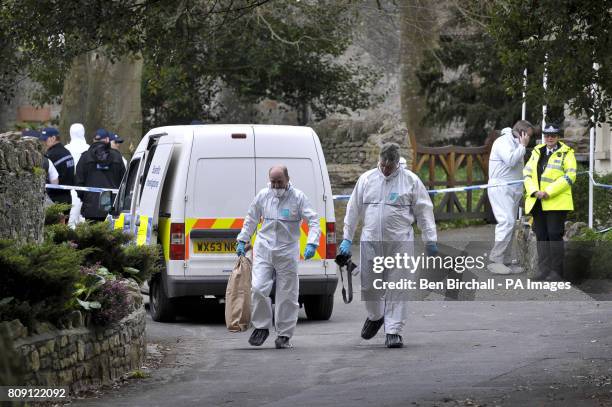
{"x":389,"y":206}
{"x":276,"y":255}
{"x":505,"y":164}
{"x":77,"y":146}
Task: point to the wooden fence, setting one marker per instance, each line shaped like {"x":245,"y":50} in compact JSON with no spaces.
{"x":469,"y":163}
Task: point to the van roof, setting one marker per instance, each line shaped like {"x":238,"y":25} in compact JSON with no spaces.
{"x":259,"y":126}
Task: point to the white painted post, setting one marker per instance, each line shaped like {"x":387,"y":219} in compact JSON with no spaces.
{"x":592,"y":151}
{"x":524,"y":107}
{"x":523,"y":117}
{"x":591,"y":167}
{"x":544,"y":81}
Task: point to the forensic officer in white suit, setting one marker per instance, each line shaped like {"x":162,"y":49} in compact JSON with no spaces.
{"x":388,"y":199}
{"x":77,"y":147}
{"x":506,"y":164}
{"x":281,"y":208}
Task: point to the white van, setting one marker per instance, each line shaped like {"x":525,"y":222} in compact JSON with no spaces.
{"x":188,"y":188}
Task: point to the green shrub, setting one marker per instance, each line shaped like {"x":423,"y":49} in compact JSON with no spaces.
{"x":109,"y":248}
{"x":590,"y":253}
{"x":72,"y":269}
{"x":145,"y":259}
{"x":100,"y":244}
{"x":59,"y":233}
{"x":602,"y":200}
{"x":37,"y":281}
{"x":92,"y":278}
{"x":56,"y":212}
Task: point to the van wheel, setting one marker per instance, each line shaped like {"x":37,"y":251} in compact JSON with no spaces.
{"x":319,"y":307}
{"x":161,"y":307}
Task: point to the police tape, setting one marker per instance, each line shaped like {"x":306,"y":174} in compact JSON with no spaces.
{"x":75,"y":188}
{"x":454,"y":189}
{"x":346,"y":197}
{"x":482,"y":186}
{"x":597,"y":184}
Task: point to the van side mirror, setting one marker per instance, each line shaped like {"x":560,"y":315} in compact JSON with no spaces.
{"x":105,"y":202}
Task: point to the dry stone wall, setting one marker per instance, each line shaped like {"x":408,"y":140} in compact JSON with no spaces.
{"x":351,"y":147}
{"x":77,"y":357}
{"x":22,"y":188}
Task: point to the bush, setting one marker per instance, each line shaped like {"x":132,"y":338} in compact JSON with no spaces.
{"x":56,"y":213}
{"x":100,"y":244}
{"x":109,"y":248}
{"x":145,"y":259}
{"x":602,"y":200}
{"x":37,"y":281}
{"x":57,"y":284}
{"x":73,"y":269}
{"x":590,"y":254}
{"x":115,"y":303}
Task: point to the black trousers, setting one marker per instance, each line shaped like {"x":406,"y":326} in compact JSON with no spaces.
{"x":549,"y":228}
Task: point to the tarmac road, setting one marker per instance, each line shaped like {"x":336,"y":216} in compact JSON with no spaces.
{"x":457,"y":353}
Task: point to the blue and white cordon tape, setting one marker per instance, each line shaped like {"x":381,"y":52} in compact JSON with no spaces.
{"x":75,"y":188}
{"x":597,"y":184}
{"x":346,"y":197}
{"x":445,"y":190}
{"x":483,"y":186}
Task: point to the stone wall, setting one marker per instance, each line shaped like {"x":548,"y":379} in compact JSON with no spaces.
{"x":351,"y":147}
{"x":22,"y":188}
{"x":527,"y":243}
{"x":78,"y":357}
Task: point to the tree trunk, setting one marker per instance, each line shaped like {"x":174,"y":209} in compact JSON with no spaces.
{"x":304,"y":114}
{"x":102,"y":94}
{"x":419,"y":32}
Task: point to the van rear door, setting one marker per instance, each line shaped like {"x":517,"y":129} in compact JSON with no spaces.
{"x":220,"y":188}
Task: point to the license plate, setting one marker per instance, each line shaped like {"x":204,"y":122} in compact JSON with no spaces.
{"x":214,"y":246}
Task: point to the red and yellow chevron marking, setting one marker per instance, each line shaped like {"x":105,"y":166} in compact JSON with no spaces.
{"x":320,"y":253}
{"x":237,"y":223}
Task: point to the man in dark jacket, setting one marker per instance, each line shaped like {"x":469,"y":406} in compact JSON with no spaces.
{"x":101,"y":167}
{"x":63,"y":162}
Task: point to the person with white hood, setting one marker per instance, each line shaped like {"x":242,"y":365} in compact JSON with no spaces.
{"x":388,"y":199}
{"x":280,"y":208}
{"x":77,"y":146}
{"x":506,"y":164}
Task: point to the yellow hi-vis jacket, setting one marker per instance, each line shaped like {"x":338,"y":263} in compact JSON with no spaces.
{"x":557,"y":179}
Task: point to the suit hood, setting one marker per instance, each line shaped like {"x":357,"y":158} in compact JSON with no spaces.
{"x":77,"y":133}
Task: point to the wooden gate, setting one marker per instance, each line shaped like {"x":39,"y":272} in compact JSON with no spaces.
{"x":451,"y":166}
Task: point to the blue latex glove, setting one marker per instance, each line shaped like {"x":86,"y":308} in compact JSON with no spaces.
{"x":309,"y":251}
{"x":431,"y":248}
{"x":240,"y":248}
{"x":345,"y":247}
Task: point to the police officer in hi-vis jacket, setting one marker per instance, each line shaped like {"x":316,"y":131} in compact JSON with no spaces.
{"x":548,"y":177}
